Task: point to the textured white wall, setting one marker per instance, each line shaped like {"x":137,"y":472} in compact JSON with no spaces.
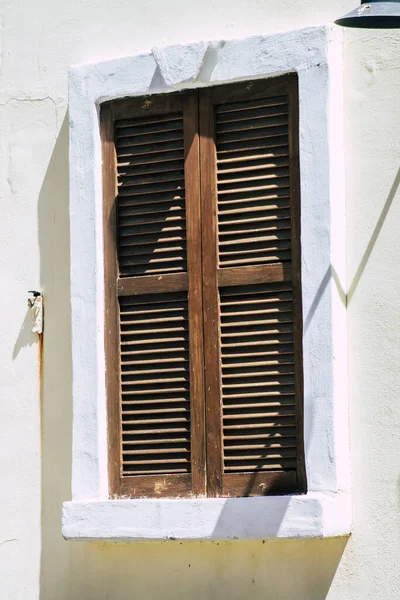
{"x":39,"y":40}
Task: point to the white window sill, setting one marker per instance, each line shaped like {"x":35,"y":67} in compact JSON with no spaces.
{"x":314,"y":515}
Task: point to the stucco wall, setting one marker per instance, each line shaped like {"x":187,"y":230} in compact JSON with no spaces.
{"x":39,"y":41}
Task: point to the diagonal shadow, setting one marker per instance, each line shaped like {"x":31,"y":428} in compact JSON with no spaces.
{"x":374,"y":237}
{"x":330,"y":272}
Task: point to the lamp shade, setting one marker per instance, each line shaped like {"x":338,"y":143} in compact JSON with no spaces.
{"x":373,"y":14}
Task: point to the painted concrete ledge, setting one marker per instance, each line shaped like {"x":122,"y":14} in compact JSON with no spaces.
{"x":312,"y":515}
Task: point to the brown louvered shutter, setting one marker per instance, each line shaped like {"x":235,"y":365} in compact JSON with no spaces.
{"x":252,"y":297}
{"x":202,"y":289}
{"x":153,"y":296}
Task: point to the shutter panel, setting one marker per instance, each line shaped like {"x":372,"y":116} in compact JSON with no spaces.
{"x":251,"y":270}
{"x":153,"y":261}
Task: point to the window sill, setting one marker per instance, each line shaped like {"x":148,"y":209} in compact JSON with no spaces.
{"x":314,"y":515}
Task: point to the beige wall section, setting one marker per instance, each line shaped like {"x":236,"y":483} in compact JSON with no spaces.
{"x":39,"y":41}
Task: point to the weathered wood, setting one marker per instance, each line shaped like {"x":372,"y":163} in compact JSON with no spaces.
{"x":237,"y":485}
{"x":296,"y":276}
{"x":152,"y":284}
{"x":256,"y":318}
{"x":258,"y":274}
{"x":111,"y":313}
{"x":195,"y":292}
{"x":212,"y":360}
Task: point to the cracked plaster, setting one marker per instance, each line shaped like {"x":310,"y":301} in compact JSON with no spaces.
{"x":179,"y":64}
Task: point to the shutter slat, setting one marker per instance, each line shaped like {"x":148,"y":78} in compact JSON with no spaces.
{"x":144,"y":151}
{"x":126,"y":253}
{"x":286,"y":348}
{"x":285,"y":256}
{"x":167,"y":319}
{"x":281,"y":360}
{"x":155,"y":210}
{"x":251,"y":404}
{"x":260,"y":426}
{"x":150,"y":159}
{"x":276,"y":370}
{"x":142,"y":433}
{"x":149,"y":139}
{"x":253,"y":175}
{"x":257,"y":248}
{"x":150,"y":239}
{"x":247,"y":414}
{"x":250,"y":148}
{"x":253,"y":167}
{"x":161,"y":167}
{"x":250,"y":104}
{"x":253,"y":210}
{"x":246,"y":187}
{"x":148,"y":202}
{"x":279,"y":227}
{"x":146,"y":371}
{"x":283,"y":465}
{"x":156,"y":361}
{"x":229,"y":140}
{"x":254,"y":199}
{"x":177,"y":450}
{"x":131,"y":220}
{"x":155,"y":411}
{"x":166,"y":441}
{"x":253,"y":217}
{"x":279,"y":152}
{"x":281,"y":444}
{"x":148,"y":120}
{"x":278,"y":391}
{"x":252,"y":123}
{"x":231,"y":434}
{"x":156,"y":190}
{"x":132,"y":403}
{"x":146,"y":128}
{"x":253,"y":113}
{"x":173,"y":178}
{"x":126,"y":472}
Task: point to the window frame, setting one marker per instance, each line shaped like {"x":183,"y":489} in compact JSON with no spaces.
{"x":315,"y":55}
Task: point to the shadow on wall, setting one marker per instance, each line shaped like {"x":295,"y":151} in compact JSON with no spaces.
{"x":141,"y":571}
{"x":56,"y":384}
{"x":363,"y":262}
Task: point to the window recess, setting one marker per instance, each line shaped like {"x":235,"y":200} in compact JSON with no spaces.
{"x":203,"y":299}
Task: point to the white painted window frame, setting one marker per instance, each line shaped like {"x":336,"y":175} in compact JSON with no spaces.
{"x":325,"y":511}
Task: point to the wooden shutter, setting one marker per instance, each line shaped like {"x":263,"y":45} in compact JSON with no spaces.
{"x":202,"y":239}
{"x":251,"y":277}
{"x":153,"y":298}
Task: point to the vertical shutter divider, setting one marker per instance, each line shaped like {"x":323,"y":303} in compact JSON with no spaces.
{"x":111,"y":316}
{"x":295,"y":210}
{"x":210,"y":295}
{"x":195,"y":297}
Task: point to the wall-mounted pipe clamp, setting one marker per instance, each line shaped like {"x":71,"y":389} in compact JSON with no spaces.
{"x":35,"y":303}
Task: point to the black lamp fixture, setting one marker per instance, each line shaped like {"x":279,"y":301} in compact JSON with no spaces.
{"x":373,"y":14}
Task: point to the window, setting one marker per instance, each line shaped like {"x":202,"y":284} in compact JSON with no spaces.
{"x":107,"y":508}
{"x":204,"y":326}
